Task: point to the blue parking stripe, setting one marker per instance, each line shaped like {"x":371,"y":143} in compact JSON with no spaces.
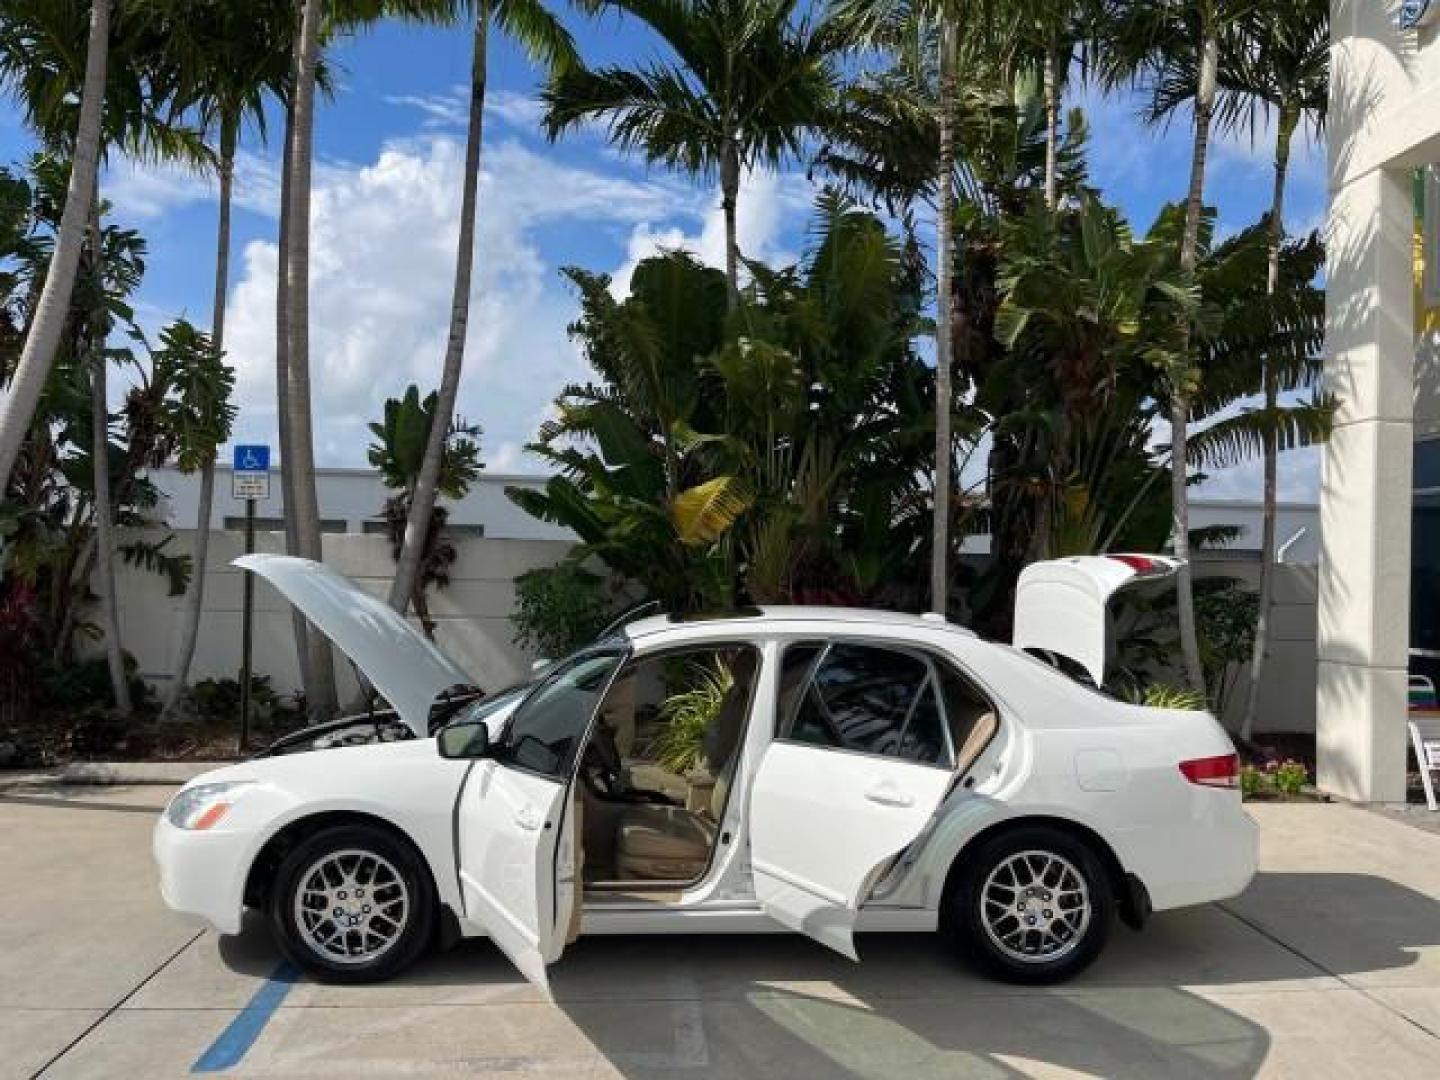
{"x":235,"y":1041}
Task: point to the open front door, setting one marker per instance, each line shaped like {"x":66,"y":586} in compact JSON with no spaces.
{"x":859,"y":767}
{"x":517,"y":823}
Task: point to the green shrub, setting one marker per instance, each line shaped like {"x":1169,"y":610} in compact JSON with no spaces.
{"x":1252,"y":781}
{"x":1289,"y":776}
{"x":560,"y":608}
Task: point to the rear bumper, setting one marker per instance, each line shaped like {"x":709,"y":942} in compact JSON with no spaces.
{"x":1211,"y":857}
{"x":202,"y":873}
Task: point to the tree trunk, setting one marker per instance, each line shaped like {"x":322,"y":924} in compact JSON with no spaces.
{"x":48,"y":325}
{"x":195,"y":597}
{"x":282,"y":383}
{"x":422,"y":505}
{"x":1180,"y":390}
{"x":1052,"y":127}
{"x":1284,"y":129}
{"x":730,"y":201}
{"x":320,"y":683}
{"x":945,"y":324}
{"x":104,"y":535}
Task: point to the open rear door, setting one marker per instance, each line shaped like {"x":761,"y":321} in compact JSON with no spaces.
{"x":823,"y":823}
{"x":1062,"y":606}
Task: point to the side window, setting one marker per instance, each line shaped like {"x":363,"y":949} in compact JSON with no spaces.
{"x":546,"y":731}
{"x":872,"y":700}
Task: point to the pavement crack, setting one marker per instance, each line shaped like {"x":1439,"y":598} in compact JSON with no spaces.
{"x":84,"y":1034}
{"x":1318,"y":966}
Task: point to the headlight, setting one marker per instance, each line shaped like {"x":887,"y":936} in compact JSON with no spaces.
{"x":202,"y":806}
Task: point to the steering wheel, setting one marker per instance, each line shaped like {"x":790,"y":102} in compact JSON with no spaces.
{"x":603,"y":766}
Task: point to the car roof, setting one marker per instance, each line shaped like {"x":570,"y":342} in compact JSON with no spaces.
{"x":764,"y":616}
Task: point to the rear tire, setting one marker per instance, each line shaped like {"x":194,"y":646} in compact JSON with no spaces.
{"x":1033,"y":905}
{"x":352,"y":904}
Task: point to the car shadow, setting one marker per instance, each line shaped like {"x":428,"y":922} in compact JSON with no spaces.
{"x":781,"y":1006}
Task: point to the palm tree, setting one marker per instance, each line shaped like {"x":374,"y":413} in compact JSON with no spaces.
{"x":231,"y":57}
{"x":547,"y":42}
{"x":298,"y":449}
{"x":1170,"y":50}
{"x":750,"y":78}
{"x":22,"y":23}
{"x":399,"y":453}
{"x":1282,"y":72}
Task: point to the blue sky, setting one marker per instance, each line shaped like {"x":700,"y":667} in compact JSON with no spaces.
{"x":388,"y":151}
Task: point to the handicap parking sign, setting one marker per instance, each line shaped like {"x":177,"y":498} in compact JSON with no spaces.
{"x":255,"y":458}
{"x":250,"y":478}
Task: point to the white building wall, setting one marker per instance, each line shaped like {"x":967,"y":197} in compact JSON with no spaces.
{"x":1383,"y":123}
{"x":473,"y":612}
{"x":351,"y":497}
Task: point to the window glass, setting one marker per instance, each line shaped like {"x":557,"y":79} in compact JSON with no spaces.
{"x":795,"y":668}
{"x":924,"y":736}
{"x":860,"y":698}
{"x":547,"y":729}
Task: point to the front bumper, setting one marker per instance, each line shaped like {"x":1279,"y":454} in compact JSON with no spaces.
{"x":202,"y":874}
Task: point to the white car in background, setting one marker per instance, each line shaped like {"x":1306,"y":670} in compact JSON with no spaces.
{"x":821,"y":770}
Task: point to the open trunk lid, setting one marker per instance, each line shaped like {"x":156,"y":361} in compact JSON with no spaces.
{"x":1062,"y":606}
{"x":397,"y":659}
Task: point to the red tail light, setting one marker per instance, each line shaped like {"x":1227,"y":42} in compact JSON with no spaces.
{"x":1218,"y":772}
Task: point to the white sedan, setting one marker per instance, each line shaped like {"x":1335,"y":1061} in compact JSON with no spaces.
{"x":820,"y":770}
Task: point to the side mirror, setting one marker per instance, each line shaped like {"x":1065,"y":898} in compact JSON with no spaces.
{"x":464,"y":740}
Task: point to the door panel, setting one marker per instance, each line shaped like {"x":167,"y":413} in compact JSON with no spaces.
{"x":509,"y":824}
{"x":823,"y":821}
{"x":516,"y":817}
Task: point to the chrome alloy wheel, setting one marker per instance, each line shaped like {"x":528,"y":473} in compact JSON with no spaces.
{"x":351,"y":906}
{"x":1035,"y":907}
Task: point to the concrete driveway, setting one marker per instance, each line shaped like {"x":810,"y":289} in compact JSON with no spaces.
{"x":1329,"y":966}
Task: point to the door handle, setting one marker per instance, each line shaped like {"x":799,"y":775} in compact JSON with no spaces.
{"x":887,"y":794}
{"x":528,"y":818}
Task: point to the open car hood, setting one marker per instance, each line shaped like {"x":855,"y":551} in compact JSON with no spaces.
{"x":1062,"y":606}
{"x":397,"y":659}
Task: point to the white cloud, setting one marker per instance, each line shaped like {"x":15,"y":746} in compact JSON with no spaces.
{"x":451,"y":109}
{"x":766,"y":201}
{"x":145,"y":191}
{"x":382,"y":262}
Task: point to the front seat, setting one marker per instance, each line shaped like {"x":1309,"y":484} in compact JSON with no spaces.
{"x":670,"y":843}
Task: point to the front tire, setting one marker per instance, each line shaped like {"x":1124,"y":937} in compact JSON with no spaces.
{"x":1033,"y":905}
{"x":352,"y":904}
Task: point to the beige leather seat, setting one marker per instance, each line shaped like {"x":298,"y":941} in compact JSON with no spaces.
{"x":667,"y":843}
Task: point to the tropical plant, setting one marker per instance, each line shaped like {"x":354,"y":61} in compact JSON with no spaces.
{"x":1281,"y":75}
{"x":686,"y":715}
{"x":228,"y":60}
{"x":190,"y":366}
{"x":547,"y":42}
{"x":779,"y":455}
{"x":297,"y":449}
{"x":399,"y":453}
{"x":748,"y":80}
{"x":24,"y":23}
{"x":1170,"y":50}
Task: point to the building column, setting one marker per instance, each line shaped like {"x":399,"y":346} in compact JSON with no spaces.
{"x":1365,"y":491}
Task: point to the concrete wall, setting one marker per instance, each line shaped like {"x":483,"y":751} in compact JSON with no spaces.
{"x":472,"y":612}
{"x":1286,"y":703}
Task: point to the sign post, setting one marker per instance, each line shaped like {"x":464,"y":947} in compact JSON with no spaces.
{"x":249,"y":480}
